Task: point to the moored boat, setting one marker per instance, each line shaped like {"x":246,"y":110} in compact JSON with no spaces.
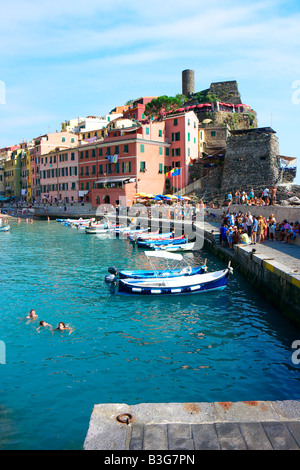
{"x":188,"y":246}
{"x":5,"y":228}
{"x":170,"y":284}
{"x":176,"y":285}
{"x":100,"y":228}
{"x":175,"y":265}
{"x":161,"y":241}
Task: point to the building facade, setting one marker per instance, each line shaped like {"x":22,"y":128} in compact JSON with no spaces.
{"x":139,"y":159}
{"x":129,"y":161}
{"x":42,"y":146}
{"x":59,"y":176}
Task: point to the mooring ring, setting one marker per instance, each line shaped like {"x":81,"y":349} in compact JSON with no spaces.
{"x":124,"y":418}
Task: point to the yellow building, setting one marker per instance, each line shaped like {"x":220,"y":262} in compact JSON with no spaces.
{"x":68,"y":126}
{"x":12,"y":174}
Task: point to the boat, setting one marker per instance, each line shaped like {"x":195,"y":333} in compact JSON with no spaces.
{"x":172,"y":285}
{"x":5,"y":228}
{"x":188,"y":246}
{"x":96,"y":228}
{"x":161,"y":241}
{"x":174,"y":266}
{"x":130,"y":231}
{"x":151,"y":236}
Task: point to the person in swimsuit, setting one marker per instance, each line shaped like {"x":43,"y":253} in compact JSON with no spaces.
{"x":61,"y":326}
{"x":32,"y":315}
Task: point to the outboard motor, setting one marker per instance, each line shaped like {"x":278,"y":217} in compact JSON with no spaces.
{"x":111,"y":281}
{"x":112,"y":270}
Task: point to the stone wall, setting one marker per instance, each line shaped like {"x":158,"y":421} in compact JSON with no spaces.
{"x":252,"y":158}
{"x":226,"y":91}
{"x":245,"y":120}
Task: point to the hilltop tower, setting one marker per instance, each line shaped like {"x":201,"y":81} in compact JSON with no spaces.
{"x":188,"y":82}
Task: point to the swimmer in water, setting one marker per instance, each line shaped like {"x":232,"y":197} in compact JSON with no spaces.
{"x":43,"y":323}
{"x":32,"y":315}
{"x":61,"y":326}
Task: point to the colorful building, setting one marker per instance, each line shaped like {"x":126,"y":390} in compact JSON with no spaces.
{"x":182,"y":132}
{"x":59,"y":176}
{"x":42,"y":146}
{"x":146,"y":158}
{"x":12,"y":174}
{"x":136,"y":110}
{"x":128,"y":161}
{"x":5,"y":154}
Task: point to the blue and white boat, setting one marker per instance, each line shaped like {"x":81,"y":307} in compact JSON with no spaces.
{"x":187,"y":246}
{"x":174,"y":266}
{"x":5,"y":228}
{"x":161,"y":241}
{"x":170,"y":285}
{"x":176,"y":285}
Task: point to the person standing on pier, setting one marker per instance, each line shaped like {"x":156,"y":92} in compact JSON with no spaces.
{"x":254,"y":230}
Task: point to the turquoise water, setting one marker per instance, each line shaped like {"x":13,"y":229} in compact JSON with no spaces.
{"x":224,"y":346}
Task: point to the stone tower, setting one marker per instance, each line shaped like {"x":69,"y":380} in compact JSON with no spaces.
{"x":252,"y":158}
{"x":188,"y":82}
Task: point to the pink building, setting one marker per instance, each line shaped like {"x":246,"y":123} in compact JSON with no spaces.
{"x":128,"y":161}
{"x":137,"y":108}
{"x":181,"y":131}
{"x":42,"y":146}
{"x":59,"y":176}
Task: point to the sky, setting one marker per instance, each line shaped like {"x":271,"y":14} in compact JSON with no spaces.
{"x":64,"y":59}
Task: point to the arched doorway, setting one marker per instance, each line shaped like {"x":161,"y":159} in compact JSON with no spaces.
{"x":106,"y":199}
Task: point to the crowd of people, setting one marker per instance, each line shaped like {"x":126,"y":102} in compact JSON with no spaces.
{"x":266,"y":198}
{"x":244,"y":228}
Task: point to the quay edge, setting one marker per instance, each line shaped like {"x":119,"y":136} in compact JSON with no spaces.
{"x":246,"y":425}
{"x":274,"y":280}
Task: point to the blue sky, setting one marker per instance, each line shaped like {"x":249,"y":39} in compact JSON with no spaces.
{"x":60,"y":60}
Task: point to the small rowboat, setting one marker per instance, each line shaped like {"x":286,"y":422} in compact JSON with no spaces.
{"x":171,"y":284}
{"x":5,"y":228}
{"x":175,"y":266}
{"x":176,"y":285}
{"x":188,"y":246}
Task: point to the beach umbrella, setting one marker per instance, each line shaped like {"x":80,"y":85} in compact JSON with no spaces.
{"x":186,"y":198}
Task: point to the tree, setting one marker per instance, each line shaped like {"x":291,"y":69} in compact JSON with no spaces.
{"x":203,"y":97}
{"x":182,"y":98}
{"x":160,"y":106}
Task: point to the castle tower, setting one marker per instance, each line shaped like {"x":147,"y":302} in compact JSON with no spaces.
{"x":252,"y":159}
{"x":188,"y":82}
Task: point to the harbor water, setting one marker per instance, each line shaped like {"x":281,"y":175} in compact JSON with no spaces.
{"x":230,"y":345}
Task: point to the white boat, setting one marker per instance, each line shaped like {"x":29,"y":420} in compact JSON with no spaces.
{"x":189,"y":246}
{"x":96,"y":228}
{"x":5,"y":228}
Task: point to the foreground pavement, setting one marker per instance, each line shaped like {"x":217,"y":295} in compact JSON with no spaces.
{"x":254,"y":425}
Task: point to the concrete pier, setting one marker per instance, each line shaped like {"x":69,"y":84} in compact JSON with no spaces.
{"x":257,"y":425}
{"x":273,"y":268}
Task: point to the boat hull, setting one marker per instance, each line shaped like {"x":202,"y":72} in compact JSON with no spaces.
{"x":174,"y":286}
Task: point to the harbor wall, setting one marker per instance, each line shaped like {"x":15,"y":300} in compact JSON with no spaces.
{"x":274,"y":280}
